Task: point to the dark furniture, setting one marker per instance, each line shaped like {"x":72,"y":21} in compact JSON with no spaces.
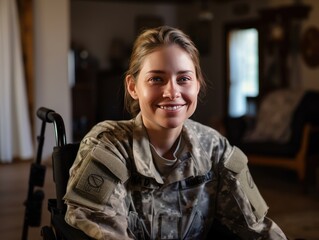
{"x":292,"y":154}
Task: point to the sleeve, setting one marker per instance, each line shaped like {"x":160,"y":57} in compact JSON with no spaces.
{"x":96,"y":192}
{"x":240,"y":206}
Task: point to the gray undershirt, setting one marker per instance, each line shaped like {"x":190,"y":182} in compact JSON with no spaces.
{"x":164,"y":165}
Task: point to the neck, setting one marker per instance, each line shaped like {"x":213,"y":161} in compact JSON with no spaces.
{"x":164,"y":141}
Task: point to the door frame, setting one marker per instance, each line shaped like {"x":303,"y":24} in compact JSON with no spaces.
{"x":25,"y":11}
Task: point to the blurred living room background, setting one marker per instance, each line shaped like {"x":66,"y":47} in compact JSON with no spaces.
{"x":259,"y":57}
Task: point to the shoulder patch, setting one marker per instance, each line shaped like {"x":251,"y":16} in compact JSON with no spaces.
{"x":94,"y":186}
{"x":98,"y":179}
{"x":237,"y":163}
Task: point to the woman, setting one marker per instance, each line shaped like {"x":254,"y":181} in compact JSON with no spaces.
{"x":162,"y":175}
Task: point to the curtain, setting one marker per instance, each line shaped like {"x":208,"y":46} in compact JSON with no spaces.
{"x":15,"y":127}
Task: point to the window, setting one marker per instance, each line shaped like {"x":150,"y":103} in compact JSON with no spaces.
{"x":243,"y":68}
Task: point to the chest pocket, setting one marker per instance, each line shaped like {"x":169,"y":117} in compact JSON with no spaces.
{"x":176,"y":208}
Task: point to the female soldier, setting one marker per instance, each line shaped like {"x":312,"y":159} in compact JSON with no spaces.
{"x":161,"y":175}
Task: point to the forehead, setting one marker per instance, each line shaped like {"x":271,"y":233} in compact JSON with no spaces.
{"x":171,"y":56}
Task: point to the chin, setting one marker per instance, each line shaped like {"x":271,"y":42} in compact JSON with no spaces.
{"x":172,"y":123}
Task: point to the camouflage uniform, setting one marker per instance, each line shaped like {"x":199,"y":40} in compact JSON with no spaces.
{"x":115,"y":191}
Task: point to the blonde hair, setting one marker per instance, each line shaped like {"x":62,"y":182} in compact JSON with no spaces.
{"x":149,"y":41}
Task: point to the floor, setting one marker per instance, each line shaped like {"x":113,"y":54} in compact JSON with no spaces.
{"x":293,"y":210}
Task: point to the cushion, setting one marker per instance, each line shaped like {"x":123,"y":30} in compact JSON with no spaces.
{"x":274,"y":117}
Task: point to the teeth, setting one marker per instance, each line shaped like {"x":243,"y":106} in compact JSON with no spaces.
{"x":170,"y":107}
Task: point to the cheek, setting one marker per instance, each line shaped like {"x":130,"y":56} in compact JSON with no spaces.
{"x":147,"y":94}
{"x":193,"y":93}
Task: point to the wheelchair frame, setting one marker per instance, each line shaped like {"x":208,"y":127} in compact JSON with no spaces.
{"x":63,"y":157}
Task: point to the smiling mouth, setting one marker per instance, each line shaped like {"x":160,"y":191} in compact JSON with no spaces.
{"x":171,"y":107}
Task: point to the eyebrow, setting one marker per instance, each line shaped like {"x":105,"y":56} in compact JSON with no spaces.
{"x":162,"y":72}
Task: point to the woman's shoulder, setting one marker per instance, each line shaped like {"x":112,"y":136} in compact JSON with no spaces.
{"x":111,"y":127}
{"x":197,"y":127}
{"x":203,"y":134}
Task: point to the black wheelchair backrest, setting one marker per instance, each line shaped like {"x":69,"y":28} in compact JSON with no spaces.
{"x":62,"y":160}
{"x":63,"y":157}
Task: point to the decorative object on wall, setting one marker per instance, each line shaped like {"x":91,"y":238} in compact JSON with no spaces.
{"x":310,"y":46}
{"x":281,"y":30}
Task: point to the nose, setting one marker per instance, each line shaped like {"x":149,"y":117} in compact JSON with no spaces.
{"x":171,"y":90}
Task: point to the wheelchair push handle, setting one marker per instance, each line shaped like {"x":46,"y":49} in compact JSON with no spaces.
{"x":50,"y":116}
{"x":43,"y":114}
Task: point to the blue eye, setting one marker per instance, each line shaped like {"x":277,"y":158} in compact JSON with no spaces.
{"x":184,"y":79}
{"x":155,"y":79}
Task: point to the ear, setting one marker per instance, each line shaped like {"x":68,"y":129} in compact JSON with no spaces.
{"x":130,"y":85}
{"x":198,"y":87}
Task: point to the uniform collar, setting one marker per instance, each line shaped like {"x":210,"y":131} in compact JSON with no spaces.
{"x":142,"y":151}
{"x":143,"y":155}
{"x":192,"y":133}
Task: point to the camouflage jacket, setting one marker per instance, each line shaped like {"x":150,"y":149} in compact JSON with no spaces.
{"x":115,"y":191}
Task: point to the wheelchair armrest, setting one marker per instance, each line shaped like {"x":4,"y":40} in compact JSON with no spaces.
{"x":65,"y":230}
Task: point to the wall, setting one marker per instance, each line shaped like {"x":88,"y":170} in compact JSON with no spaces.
{"x":51,"y":36}
{"x":93,"y":27}
{"x":310,"y":77}
{"x":95,"y":24}
{"x":214,"y":64}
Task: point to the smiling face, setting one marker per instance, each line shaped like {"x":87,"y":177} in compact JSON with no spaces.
{"x":166,"y":88}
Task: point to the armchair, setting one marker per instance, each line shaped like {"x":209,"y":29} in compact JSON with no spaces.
{"x":286,"y":147}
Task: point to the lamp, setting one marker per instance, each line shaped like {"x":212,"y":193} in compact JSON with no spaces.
{"x":205,"y":14}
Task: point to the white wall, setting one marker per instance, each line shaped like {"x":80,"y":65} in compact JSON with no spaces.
{"x":51,"y":38}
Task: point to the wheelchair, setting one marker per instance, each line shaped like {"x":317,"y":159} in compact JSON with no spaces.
{"x":63,"y":157}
